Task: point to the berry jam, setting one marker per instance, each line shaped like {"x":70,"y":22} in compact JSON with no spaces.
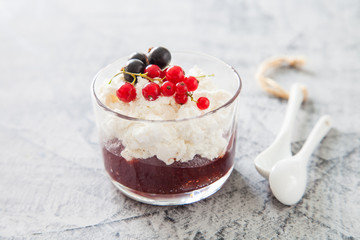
{"x":152,"y":175}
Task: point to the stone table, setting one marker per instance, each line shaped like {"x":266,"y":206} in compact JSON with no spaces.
{"x":52,"y":182}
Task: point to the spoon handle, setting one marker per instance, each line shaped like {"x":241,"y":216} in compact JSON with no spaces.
{"x":321,"y":128}
{"x":295,"y":99}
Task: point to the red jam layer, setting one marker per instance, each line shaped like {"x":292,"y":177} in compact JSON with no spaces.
{"x":152,"y":175}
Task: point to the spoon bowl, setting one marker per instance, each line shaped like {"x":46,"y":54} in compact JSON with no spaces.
{"x":265,"y":161}
{"x":288,"y":181}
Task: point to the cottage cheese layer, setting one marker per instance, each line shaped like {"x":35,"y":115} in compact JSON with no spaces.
{"x":170,"y":141}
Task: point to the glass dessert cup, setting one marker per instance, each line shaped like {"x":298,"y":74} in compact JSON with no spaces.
{"x":152,"y":180}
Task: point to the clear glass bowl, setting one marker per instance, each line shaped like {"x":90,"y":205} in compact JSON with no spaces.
{"x":151,"y":180}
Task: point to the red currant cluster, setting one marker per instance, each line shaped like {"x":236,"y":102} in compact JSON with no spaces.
{"x":172,"y":82}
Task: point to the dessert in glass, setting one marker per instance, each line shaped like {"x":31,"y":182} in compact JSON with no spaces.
{"x":167,"y":132}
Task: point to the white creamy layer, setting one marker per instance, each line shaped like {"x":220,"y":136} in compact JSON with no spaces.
{"x":206,"y":136}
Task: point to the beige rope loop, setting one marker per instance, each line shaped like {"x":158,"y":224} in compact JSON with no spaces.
{"x":270,"y":85}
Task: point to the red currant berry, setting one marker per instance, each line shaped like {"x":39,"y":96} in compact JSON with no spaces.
{"x":126,"y":92}
{"x":203,"y":103}
{"x":163,"y":74}
{"x":168,"y":89}
{"x":191,"y":83}
{"x":181,"y":88}
{"x":175,"y":74}
{"x":181,"y":98}
{"x":151,"y":91}
{"x":153,"y":71}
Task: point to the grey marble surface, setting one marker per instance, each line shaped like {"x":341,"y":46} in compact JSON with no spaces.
{"x":52,"y":182}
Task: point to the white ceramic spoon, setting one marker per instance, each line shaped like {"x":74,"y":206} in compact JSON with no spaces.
{"x":289,"y":176}
{"x":281,"y":147}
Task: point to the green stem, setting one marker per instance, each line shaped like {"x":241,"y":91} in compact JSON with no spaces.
{"x":202,"y":76}
{"x":144,"y":75}
{"x":191,"y":96}
{"x":114,"y":77}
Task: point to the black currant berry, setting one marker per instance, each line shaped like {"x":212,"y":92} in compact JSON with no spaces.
{"x":159,"y":56}
{"x":133,"y":66}
{"x":141,"y":56}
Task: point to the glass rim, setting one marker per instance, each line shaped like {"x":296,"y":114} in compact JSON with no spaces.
{"x":230,"y":101}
